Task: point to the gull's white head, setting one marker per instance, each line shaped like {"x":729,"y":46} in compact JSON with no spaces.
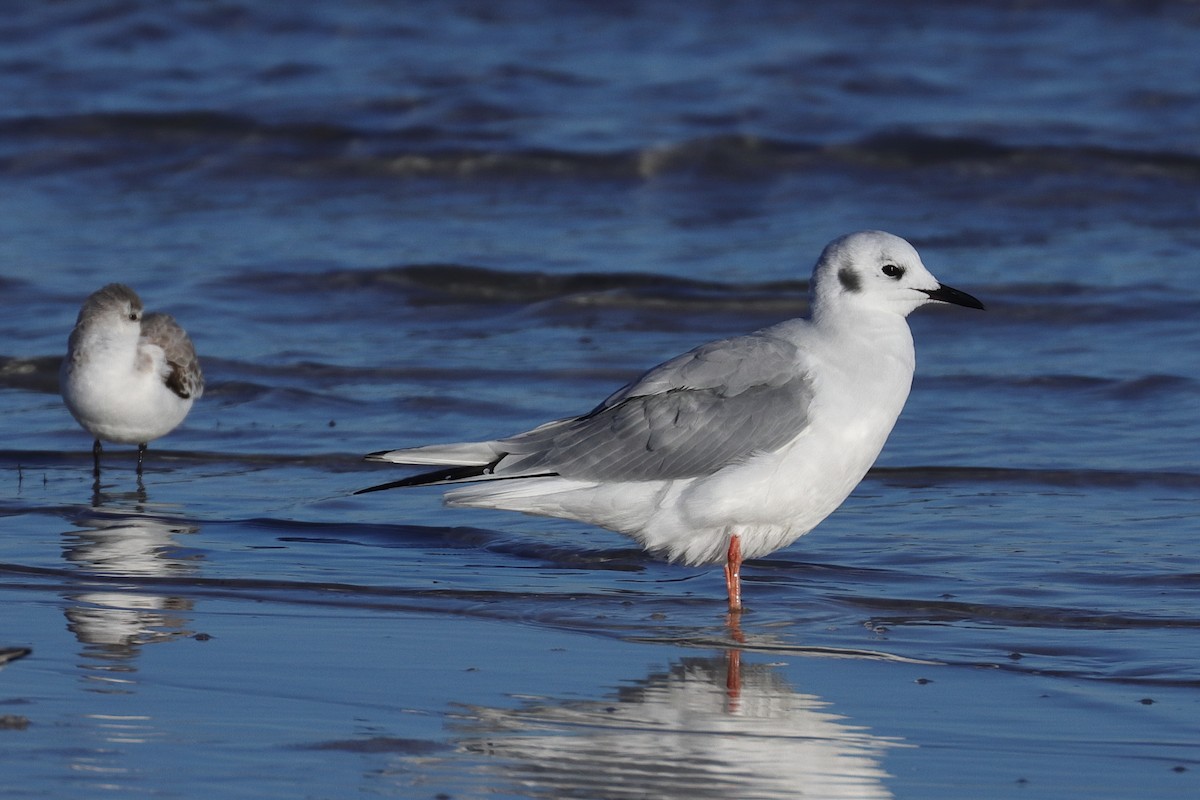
{"x":873,"y":270}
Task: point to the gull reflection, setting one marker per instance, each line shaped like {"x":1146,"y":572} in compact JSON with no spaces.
{"x":121,"y":540}
{"x":703,"y":728}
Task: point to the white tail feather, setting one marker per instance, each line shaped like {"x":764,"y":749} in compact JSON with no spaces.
{"x":462,"y":454}
{"x":531,"y":495}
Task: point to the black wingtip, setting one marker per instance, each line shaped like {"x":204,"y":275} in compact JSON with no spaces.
{"x":449,"y":475}
{"x":381,"y":487}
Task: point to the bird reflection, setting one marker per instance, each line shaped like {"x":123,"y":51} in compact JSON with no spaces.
{"x":704,"y":728}
{"x":124,"y":535}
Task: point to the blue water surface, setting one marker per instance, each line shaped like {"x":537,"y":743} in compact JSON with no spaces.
{"x":395,"y":224}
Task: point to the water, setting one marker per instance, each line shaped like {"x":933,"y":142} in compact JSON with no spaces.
{"x":389,"y":225}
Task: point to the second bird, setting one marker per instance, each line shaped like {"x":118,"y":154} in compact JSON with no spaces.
{"x":129,"y":377}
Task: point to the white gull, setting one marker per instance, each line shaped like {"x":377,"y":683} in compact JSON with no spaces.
{"x":731,"y":450}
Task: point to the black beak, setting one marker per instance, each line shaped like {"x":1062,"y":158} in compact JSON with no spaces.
{"x":946,"y":294}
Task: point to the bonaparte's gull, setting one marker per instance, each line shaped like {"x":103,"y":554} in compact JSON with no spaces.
{"x":128,"y":377}
{"x":733,"y":449}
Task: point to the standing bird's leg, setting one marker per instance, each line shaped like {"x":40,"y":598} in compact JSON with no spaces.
{"x":733,"y":656}
{"x":141,"y":455}
{"x":97,"y":449}
{"x":733,"y":573}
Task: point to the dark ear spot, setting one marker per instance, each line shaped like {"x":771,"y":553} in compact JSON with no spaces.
{"x":849,"y":280}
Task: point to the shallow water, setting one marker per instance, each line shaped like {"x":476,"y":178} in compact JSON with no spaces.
{"x":389,"y":226}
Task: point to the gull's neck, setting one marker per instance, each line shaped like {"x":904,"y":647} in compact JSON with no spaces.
{"x":879,"y":330}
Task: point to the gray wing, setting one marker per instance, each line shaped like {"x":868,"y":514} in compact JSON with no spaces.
{"x":185,"y":378}
{"x":696,"y":413}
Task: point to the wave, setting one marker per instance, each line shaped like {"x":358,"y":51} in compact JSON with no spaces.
{"x":1137,"y":388}
{"x":323,"y":149}
{"x":898,"y":611}
{"x":923,"y":476}
{"x":234,"y":382}
{"x":37,"y":374}
{"x":666,"y":301}
{"x":434,"y":284}
{"x":916,"y":476}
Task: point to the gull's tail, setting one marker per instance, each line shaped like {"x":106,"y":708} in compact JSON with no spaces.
{"x":461,"y":462}
{"x":462,"y":454}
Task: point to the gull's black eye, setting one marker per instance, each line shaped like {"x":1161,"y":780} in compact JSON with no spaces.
{"x":892,"y":271}
{"x":134,"y":316}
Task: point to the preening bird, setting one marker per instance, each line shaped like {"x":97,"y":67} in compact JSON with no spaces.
{"x":128,"y":377}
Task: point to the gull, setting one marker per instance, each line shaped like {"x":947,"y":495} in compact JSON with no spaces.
{"x":734,"y":449}
{"x":128,"y":377}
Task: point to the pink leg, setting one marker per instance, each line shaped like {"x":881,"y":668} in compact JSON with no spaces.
{"x":733,"y":656}
{"x":733,"y":573}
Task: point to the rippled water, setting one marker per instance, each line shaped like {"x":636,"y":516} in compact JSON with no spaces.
{"x":389,"y":225}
